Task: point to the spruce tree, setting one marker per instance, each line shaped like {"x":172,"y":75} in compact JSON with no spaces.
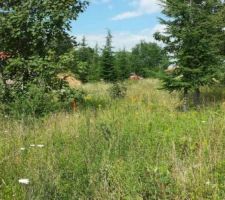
{"x":84,"y":51}
{"x":94,"y":72}
{"x":123,"y":64}
{"x":222,"y":39}
{"x":107,"y":61}
{"x":192,"y":38}
{"x":85,"y":54}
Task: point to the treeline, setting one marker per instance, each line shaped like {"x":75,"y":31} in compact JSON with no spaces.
{"x":37,"y":48}
{"x":94,"y":64}
{"x":34,"y":36}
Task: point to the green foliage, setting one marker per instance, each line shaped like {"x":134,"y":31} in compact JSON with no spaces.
{"x":35,"y":33}
{"x":19,"y":73}
{"x":82,"y":61}
{"x":31,"y":28}
{"x":34,"y":102}
{"x":117,"y":90}
{"x":31,"y":88}
{"x":95,"y":66}
{"x":123,"y":64}
{"x":67,"y":95}
{"x":138,"y":147}
{"x":82,"y":71}
{"x":193,"y":39}
{"x":69,"y":61}
{"x":219,"y":171}
{"x":95,"y":103}
{"x":84,"y":53}
{"x":108,"y":72}
{"x":147,"y":58}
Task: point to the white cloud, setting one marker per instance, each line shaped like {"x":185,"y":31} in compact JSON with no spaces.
{"x":107,"y":3}
{"x":141,"y":7}
{"x":123,"y":39}
{"x":100,"y":1}
{"x":127,"y":15}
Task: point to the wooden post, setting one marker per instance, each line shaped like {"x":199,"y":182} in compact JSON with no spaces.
{"x":74,"y":105}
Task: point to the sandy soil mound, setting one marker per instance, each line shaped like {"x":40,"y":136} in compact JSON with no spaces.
{"x":70,"y":79}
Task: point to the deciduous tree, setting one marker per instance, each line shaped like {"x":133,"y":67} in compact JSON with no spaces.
{"x":147,"y":57}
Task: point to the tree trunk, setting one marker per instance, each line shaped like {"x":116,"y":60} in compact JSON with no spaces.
{"x":196,"y":98}
{"x":185,"y":100}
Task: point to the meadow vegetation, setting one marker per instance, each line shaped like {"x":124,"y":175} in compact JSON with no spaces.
{"x":137,"y":147}
{"x":125,"y":140}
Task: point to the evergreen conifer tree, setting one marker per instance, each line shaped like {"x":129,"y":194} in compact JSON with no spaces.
{"x":107,"y":61}
{"x":94,"y":72}
{"x":85,"y":54}
{"x":123,"y":64}
{"x":193,"y":39}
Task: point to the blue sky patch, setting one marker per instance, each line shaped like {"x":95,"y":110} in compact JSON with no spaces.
{"x":129,"y":21}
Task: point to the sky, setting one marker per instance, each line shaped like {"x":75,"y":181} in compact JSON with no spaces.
{"x":130,"y":21}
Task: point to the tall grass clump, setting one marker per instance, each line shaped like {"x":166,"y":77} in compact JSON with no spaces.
{"x":138,"y":147}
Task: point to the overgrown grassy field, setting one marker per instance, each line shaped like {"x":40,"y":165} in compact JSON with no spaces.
{"x":139,"y":147}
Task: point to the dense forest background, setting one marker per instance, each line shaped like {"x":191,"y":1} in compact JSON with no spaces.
{"x":95,"y":64}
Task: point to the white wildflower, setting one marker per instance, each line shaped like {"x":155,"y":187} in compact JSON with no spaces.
{"x":32,"y":145}
{"x":24,"y":181}
{"x":22,"y":148}
{"x":40,"y":145}
{"x":207,"y":183}
{"x":203,"y":121}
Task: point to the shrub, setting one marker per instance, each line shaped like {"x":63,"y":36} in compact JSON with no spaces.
{"x":67,"y":95}
{"x":30,"y":87}
{"x":35,"y":102}
{"x":117,"y":90}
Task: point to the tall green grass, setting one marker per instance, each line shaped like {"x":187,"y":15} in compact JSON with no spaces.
{"x":139,"y":147}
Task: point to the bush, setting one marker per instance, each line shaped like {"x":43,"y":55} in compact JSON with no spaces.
{"x":36,"y":102}
{"x":30,"y":87}
{"x":67,"y":95}
{"x":117,"y":90}
{"x":33,"y":102}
